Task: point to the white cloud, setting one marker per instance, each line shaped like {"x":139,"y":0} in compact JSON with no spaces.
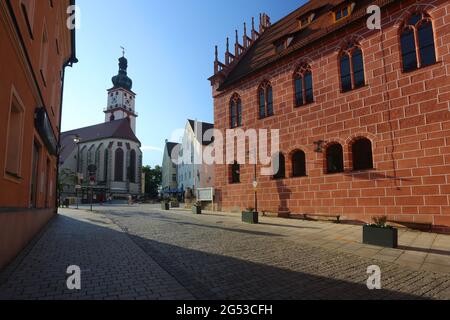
{"x":151,"y":149}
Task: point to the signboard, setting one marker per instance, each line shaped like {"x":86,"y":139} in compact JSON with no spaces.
{"x":44,"y":127}
{"x":78,"y":187}
{"x":205,"y":194}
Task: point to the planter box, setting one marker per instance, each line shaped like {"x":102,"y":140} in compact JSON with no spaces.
{"x":196,"y":210}
{"x":383,"y":237}
{"x":174,"y":204}
{"x":250,"y":217}
{"x":165,"y":206}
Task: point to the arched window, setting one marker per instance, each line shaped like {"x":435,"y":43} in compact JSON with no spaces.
{"x":281,"y":172}
{"x":352,"y":68}
{"x":417,"y":42}
{"x":303,"y":86}
{"x":298,"y":164}
{"x":105,"y":164}
{"x":235,"y":111}
{"x":335,"y":159}
{"x":132,"y":169}
{"x":265,"y":99}
{"x":118,"y":165}
{"x":235,"y":172}
{"x":362,"y":154}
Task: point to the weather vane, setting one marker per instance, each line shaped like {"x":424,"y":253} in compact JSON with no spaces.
{"x":123,"y":51}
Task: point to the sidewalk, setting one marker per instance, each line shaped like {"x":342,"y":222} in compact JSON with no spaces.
{"x":417,"y":250}
{"x":113,"y":266}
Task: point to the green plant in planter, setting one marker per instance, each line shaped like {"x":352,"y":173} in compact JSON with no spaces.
{"x":380,"y":222}
{"x":250,"y":215}
{"x":380,"y":233}
{"x":165,"y":205}
{"x":197,"y":207}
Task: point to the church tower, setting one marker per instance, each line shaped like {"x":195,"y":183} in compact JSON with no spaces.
{"x":121,"y":100}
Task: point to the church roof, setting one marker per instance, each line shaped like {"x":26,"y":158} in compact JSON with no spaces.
{"x":205,"y":127}
{"x":262,"y":53}
{"x":118,"y":129}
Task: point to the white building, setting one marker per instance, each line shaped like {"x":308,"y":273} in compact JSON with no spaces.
{"x":193,"y":173}
{"x":169,"y":169}
{"x":111,"y":148}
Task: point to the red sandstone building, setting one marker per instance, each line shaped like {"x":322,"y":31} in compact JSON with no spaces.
{"x":363,"y":114}
{"x":36,"y":46}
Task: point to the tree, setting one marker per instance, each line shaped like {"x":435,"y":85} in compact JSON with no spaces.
{"x":66,"y":179}
{"x":153,"y":180}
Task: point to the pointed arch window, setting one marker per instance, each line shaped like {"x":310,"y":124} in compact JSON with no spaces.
{"x":298,"y":164}
{"x":417,"y":42}
{"x":265,"y":100}
{"x":362,"y":154}
{"x":335,"y":159}
{"x":235,"y":111}
{"x":235,"y":173}
{"x":280,"y":172}
{"x":105,"y":164}
{"x":118,"y":165}
{"x":133,"y":166}
{"x":303,"y":85}
{"x":352,"y":68}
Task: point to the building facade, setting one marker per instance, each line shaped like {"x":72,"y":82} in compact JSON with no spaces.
{"x":37,"y":46}
{"x":193,"y":172}
{"x":106,"y":157}
{"x":169,"y":184}
{"x":363,"y":115}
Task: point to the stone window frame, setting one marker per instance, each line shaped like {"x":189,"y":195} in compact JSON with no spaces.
{"x":264,"y":88}
{"x":300,"y":72}
{"x":426,"y":18}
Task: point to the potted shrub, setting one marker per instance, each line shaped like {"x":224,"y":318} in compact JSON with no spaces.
{"x":174,"y":203}
{"x":197,"y":208}
{"x":380,"y":234}
{"x":250,"y":215}
{"x":165,"y":205}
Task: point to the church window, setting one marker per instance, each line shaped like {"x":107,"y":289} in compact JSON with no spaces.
{"x":133,"y":166}
{"x":118,"y":167}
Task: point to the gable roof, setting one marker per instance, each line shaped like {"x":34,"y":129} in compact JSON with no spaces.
{"x":205,"y":127}
{"x":262,"y":53}
{"x":169,"y":147}
{"x":119,"y":129}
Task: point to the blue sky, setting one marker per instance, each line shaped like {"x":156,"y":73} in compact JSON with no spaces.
{"x":170,"y":51}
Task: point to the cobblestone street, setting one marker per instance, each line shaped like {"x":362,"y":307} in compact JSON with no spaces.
{"x":141,"y":252}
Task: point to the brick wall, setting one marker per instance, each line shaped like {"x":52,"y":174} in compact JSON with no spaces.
{"x":405,"y":115}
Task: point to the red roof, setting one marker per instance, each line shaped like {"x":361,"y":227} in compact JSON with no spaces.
{"x":118,"y":129}
{"x":263,"y":53}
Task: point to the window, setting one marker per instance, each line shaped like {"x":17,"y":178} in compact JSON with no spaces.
{"x":265,"y":98}
{"x":417,"y":43}
{"x":34,"y":174}
{"x":118,"y":165}
{"x":306,"y":20}
{"x":235,"y":111}
{"x":280,"y":172}
{"x":362,"y":154}
{"x":43,"y":62}
{"x":105,"y":163}
{"x":352,"y":68}
{"x":303,"y":85}
{"x":28,"y":13}
{"x":132,"y":166}
{"x":343,"y":12}
{"x":174,"y":178}
{"x":335,"y":159}
{"x":14,"y":138}
{"x":235,"y":172}
{"x":298,"y":164}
